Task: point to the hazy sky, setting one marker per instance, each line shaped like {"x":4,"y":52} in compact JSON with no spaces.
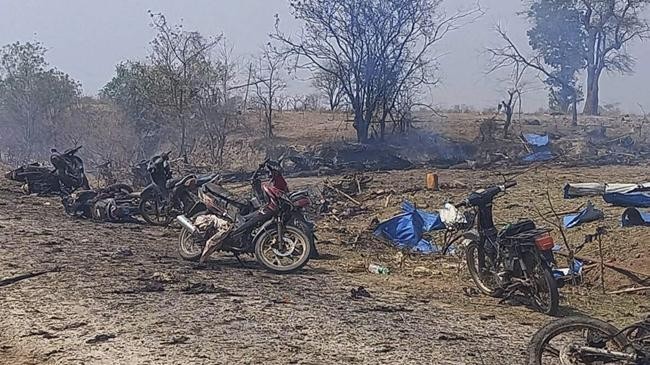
{"x":86,"y":38}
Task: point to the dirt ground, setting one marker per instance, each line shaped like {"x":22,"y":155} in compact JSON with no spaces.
{"x":119,"y":293}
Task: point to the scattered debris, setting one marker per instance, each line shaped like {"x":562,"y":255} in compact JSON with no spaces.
{"x":44,"y":334}
{"x":588,"y":214}
{"x":359,"y":293}
{"x":100,"y":338}
{"x":450,"y":337}
{"x":378,"y":269}
{"x":635,"y":217}
{"x":176,"y":340}
{"x":205,"y":288}
{"x":123,"y":252}
{"x":15,"y":279}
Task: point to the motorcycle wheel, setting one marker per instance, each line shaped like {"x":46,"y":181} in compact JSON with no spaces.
{"x":188,"y":246}
{"x":545,"y":295}
{"x":483,"y":276}
{"x":153,"y":212}
{"x":286,"y":257}
{"x":553,"y":343}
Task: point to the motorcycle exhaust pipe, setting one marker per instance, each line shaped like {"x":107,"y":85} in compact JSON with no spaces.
{"x":187,"y":224}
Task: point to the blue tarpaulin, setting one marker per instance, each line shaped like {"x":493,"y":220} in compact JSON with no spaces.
{"x":639,"y":199}
{"x":406,"y":230}
{"x":588,"y":214}
{"x":536,"y":140}
{"x":540,"y":147}
{"x":575,"y":269}
{"x":634,"y":217}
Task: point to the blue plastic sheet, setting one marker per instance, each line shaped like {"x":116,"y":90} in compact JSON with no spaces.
{"x":588,"y":214}
{"x":575,"y":269}
{"x":406,"y":230}
{"x":540,"y":148}
{"x":631,"y":199}
{"x":634,"y":217}
{"x":536,"y":140}
{"x":538,"y":156}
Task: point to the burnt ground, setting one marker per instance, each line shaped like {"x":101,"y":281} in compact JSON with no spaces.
{"x":119,"y":294}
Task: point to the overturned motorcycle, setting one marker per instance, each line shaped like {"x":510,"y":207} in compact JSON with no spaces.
{"x":115,"y":203}
{"x":66,"y":176}
{"x":275,"y":231}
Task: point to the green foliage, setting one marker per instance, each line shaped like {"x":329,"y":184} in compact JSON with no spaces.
{"x":33,"y":99}
{"x":557,"y":33}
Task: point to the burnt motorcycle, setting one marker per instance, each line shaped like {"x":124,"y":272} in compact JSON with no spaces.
{"x":114,"y":203}
{"x":166,"y":197}
{"x":585,"y":340}
{"x":66,"y":176}
{"x":271,"y":226}
{"x":515,"y":260}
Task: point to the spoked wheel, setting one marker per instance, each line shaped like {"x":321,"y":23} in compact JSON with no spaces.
{"x":156,"y":211}
{"x":481,"y":270}
{"x":544,"y":292}
{"x":577,"y":340}
{"x":189,"y":247}
{"x":286,"y":255}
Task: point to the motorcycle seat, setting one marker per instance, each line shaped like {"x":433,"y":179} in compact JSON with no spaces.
{"x":224,"y":194}
{"x":517,"y":228}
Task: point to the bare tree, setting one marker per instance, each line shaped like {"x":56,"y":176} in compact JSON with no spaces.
{"x":268,"y":83}
{"x":217,"y":106}
{"x":509,"y":56}
{"x":370,"y":46}
{"x":180,"y":59}
{"x":329,"y":85}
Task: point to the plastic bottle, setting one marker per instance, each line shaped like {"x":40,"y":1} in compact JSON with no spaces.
{"x":378,"y":269}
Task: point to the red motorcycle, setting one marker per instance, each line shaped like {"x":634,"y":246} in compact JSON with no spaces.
{"x":271,"y":226}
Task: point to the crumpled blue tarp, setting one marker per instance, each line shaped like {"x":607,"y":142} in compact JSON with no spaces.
{"x":536,"y":140}
{"x":588,"y":214}
{"x":538,"y":156}
{"x":540,"y":146}
{"x":639,"y":199}
{"x":634,"y":217}
{"x":406,"y":230}
{"x":576,"y":269}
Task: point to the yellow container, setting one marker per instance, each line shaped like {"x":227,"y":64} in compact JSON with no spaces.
{"x":432,"y":181}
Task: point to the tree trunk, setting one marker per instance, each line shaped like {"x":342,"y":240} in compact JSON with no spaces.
{"x":361,"y":127}
{"x":591,"y":100}
{"x":574,"y":112}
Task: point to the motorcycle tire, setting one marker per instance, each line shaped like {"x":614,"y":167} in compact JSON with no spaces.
{"x":187,"y":248}
{"x":154,"y":220}
{"x":480,"y":279}
{"x":267,"y":238}
{"x":551,"y":306}
{"x":536,"y":348}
